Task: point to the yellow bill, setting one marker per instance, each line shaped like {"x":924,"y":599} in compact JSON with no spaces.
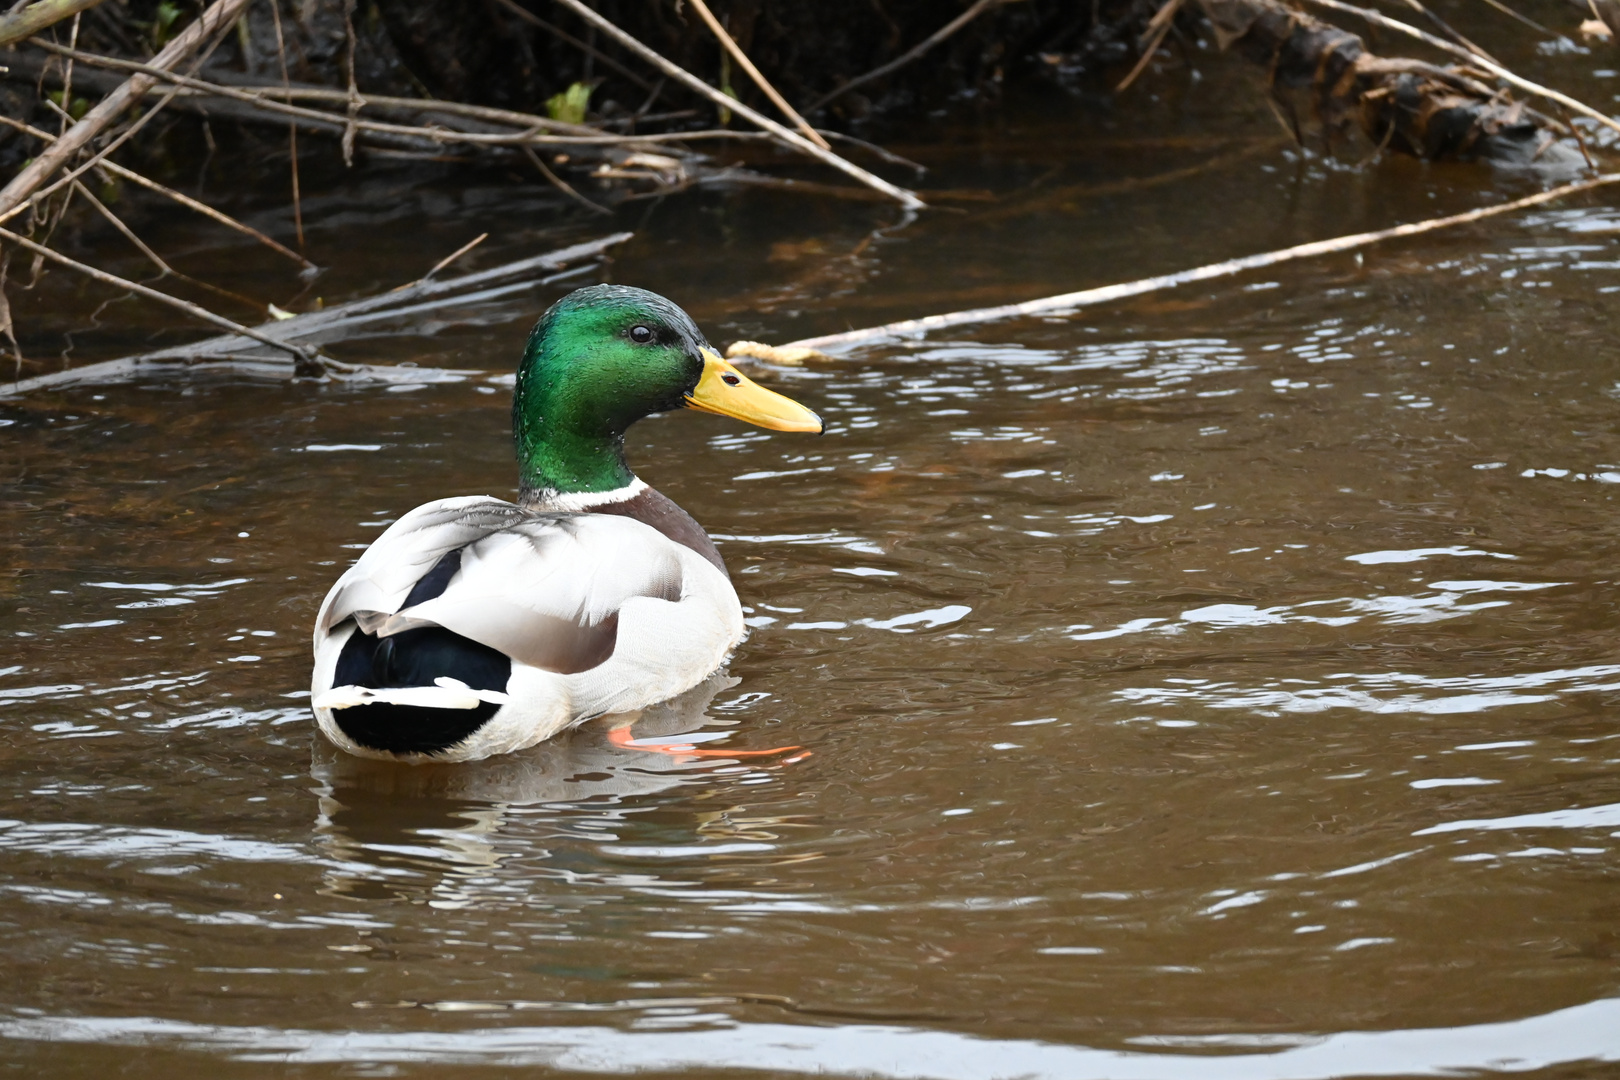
{"x":725,"y":391}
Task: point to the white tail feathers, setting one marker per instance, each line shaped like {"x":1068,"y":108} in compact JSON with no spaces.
{"x":445,"y":693}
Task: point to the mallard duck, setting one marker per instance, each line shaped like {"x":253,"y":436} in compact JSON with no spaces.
{"x":474,"y":626}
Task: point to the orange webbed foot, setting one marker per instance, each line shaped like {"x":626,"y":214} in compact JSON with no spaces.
{"x":686,"y":751}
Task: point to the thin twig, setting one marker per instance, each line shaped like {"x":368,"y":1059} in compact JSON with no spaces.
{"x":1450,"y":31}
{"x":355,"y":101}
{"x":905,"y":198}
{"x":307,"y":357}
{"x":292,"y":129}
{"x":1456,"y":50}
{"x":26,"y":182}
{"x":450,"y":258}
{"x":882,"y":152}
{"x":731,"y":46}
{"x":562,"y":185}
{"x":1531,"y":23}
{"x":1089,"y":297}
{"x":264,"y":97}
{"x":640,"y":115}
{"x":164,"y":269}
{"x":179,"y":197}
{"x":7,"y":327}
{"x":1580,"y":141}
{"x":1157,"y":28}
{"x":39,"y":196}
{"x":910,"y":54}
{"x":563,"y":35}
{"x":67,"y":79}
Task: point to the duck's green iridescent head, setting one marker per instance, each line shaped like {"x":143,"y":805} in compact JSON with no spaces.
{"x":602,"y":358}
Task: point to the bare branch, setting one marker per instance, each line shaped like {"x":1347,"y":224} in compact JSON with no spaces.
{"x":562,"y":185}
{"x":309,"y":359}
{"x":179,"y":197}
{"x":905,"y":198}
{"x":25,"y":183}
{"x":36,"y":17}
{"x":452,"y":257}
{"x":731,"y":46}
{"x":910,"y":328}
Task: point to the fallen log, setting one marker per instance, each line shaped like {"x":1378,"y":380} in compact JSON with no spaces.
{"x":1408,"y":106}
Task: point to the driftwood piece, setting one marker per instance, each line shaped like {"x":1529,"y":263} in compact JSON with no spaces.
{"x":1409,"y":106}
{"x":307,"y":331}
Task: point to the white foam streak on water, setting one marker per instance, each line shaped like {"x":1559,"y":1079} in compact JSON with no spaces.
{"x":830,"y":539}
{"x":1363,"y":692}
{"x":1391,"y":610}
{"x":88,"y":841}
{"x":1375,"y":558}
{"x":1589,"y":1032}
{"x":1590,"y":817}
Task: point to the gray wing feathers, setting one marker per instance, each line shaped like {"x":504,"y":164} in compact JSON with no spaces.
{"x":544,"y":589}
{"x":388,"y":570}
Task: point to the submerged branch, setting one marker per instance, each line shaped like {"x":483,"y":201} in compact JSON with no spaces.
{"x":302,"y":334}
{"x":1410,"y":106}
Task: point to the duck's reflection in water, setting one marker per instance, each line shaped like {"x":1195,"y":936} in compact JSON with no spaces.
{"x":442,"y":833}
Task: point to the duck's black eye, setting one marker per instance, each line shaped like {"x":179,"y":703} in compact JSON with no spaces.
{"x":641,"y":334}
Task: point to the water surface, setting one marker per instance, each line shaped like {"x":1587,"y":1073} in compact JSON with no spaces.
{"x":1222,"y":684}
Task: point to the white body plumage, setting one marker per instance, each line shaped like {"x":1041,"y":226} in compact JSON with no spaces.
{"x":596,"y":613}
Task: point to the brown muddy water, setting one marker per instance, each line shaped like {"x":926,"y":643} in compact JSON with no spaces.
{"x":1220,"y":685}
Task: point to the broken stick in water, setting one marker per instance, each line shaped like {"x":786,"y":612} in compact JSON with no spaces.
{"x":1065,"y":302}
